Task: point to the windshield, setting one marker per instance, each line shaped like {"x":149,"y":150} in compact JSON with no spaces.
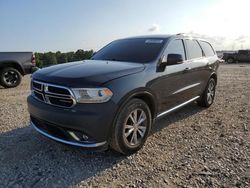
{"x":139,"y":50}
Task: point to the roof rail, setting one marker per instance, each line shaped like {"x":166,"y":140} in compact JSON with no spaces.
{"x":188,"y":34}
{"x":180,"y":33}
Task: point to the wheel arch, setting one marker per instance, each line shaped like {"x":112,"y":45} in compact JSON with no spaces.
{"x":140,"y":93}
{"x":214,"y":76}
{"x":12,"y":64}
{"x":147,"y":96}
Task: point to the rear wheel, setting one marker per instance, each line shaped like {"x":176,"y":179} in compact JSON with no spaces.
{"x":132,"y":127}
{"x":208,"y":95}
{"x":230,"y":60}
{"x":10,"y":77}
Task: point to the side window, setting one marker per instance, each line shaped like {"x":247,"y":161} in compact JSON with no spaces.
{"x":194,"y":49}
{"x":207,"y":48}
{"x":243,"y":52}
{"x":175,"y":47}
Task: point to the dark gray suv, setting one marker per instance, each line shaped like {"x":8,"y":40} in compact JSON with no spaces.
{"x":114,"y":98}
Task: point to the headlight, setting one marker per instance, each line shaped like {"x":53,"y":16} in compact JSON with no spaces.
{"x":92,"y":95}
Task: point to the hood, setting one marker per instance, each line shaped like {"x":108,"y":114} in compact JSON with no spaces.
{"x":86,"y":73}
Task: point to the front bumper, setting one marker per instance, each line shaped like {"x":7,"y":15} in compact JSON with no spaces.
{"x":85,"y":125}
{"x":74,"y":143}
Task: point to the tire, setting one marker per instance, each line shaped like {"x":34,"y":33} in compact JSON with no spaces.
{"x":207,"y":98}
{"x":10,"y":77}
{"x":230,"y":60}
{"x":128,"y":135}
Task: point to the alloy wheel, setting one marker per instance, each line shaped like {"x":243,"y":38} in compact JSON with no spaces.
{"x":135,"y":127}
{"x":230,"y":60}
{"x":10,"y":77}
{"x":210,"y":92}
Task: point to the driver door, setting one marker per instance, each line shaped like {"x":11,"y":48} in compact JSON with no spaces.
{"x":171,"y":83}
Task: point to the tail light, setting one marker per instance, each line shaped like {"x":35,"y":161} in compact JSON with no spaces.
{"x":33,"y":59}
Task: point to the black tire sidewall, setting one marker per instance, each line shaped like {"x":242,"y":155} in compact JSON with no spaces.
{"x":119,"y":125}
{"x":230,"y":59}
{"x":6,"y":85}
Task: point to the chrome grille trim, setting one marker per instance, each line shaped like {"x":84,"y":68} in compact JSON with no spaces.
{"x":33,"y":94}
{"x":38,"y":89}
{"x":47,"y":95}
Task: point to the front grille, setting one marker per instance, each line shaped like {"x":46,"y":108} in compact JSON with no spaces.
{"x":53,"y":94}
{"x":38,"y":95}
{"x":60,"y":101}
{"x":62,"y":91}
{"x":37,"y":86}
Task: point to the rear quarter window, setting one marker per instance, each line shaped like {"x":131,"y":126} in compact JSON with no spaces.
{"x":193,"y":49}
{"x":207,"y":48}
{"x":243,"y":52}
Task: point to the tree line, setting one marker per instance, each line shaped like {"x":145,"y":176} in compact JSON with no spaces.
{"x":51,"y":58}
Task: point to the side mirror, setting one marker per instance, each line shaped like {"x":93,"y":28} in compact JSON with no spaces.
{"x":171,"y":59}
{"x":174,"y":59}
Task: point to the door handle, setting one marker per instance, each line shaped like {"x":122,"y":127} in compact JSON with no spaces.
{"x":209,"y":65}
{"x":187,"y":69}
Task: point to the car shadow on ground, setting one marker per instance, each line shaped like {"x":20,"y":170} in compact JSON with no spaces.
{"x":29,"y":159}
{"x":176,"y":116}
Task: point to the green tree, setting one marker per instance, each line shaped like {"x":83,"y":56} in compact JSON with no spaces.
{"x":50,"y":58}
{"x":39,"y":62}
{"x":79,"y":54}
{"x":61,"y":57}
{"x":70,"y":56}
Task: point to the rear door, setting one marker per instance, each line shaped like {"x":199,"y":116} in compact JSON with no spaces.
{"x":197,"y":71}
{"x":210,"y":63}
{"x":248,"y":56}
{"x":243,"y":56}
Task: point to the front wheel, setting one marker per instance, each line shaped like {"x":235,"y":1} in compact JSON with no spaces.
{"x":132,"y":127}
{"x":10,"y":77}
{"x":208,"y":95}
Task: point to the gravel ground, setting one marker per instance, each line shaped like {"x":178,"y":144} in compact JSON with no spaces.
{"x":193,"y":147}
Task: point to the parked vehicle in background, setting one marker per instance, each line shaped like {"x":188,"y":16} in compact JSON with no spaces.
{"x":14,"y":65}
{"x":114,"y":98}
{"x":240,"y":56}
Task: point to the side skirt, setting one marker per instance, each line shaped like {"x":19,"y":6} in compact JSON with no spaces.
{"x":177,"y":107}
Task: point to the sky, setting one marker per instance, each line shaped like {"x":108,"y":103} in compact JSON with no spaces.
{"x":68,"y":25}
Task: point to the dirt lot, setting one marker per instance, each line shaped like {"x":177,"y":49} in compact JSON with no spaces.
{"x":193,"y":147}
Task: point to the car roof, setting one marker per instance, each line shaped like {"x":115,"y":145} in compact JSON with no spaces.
{"x":150,"y":36}
{"x":162,"y":36}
